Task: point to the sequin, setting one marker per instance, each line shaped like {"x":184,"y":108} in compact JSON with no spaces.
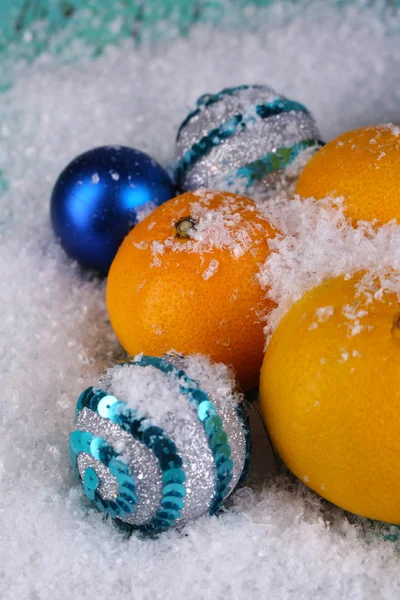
{"x":163,"y":447}
{"x":84,"y":399}
{"x":125,"y":481}
{"x":117,"y":467}
{"x":80,"y":441}
{"x":153,"y":434}
{"x":128,"y":495}
{"x":174,"y":489}
{"x":91,"y":482}
{"x":168,"y":515}
{"x":213,"y":424}
{"x":105,"y":405}
{"x":206,"y":409}
{"x":123,"y":504}
{"x":97,"y":444}
{"x":116,"y":412}
{"x":219,"y":438}
{"x":172,"y":502}
{"x":225,"y":468}
{"x":174,"y":476}
{"x":95,"y":399}
{"x":223,"y":452}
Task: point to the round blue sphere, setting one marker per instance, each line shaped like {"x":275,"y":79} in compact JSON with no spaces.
{"x":100,"y":196}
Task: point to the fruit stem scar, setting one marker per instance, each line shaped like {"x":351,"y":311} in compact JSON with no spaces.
{"x":183,"y":227}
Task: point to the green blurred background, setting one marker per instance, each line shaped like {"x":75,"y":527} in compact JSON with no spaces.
{"x":27,"y":27}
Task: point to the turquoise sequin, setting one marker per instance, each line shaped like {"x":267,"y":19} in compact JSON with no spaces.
{"x":105,"y":405}
{"x":174,"y":475}
{"x":172,"y":502}
{"x":177,"y":490}
{"x":206,"y":409}
{"x":95,"y":447}
{"x":91,"y":482}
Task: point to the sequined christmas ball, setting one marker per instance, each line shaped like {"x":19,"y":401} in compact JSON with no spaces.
{"x":161,"y":441}
{"x":100,"y":196}
{"x":246,"y":140}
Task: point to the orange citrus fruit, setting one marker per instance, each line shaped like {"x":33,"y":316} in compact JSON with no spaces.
{"x":185,"y":279}
{"x":363,"y":166}
{"x":330,"y":394}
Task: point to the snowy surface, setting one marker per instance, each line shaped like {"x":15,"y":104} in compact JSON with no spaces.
{"x":277,"y":539}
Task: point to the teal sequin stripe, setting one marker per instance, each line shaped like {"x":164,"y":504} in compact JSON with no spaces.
{"x":209,"y":99}
{"x":212,"y":423}
{"x":126,"y":500}
{"x":228,"y":129}
{"x":173,"y":476}
{"x":271,"y":162}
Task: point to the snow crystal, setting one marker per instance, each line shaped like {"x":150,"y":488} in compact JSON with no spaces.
{"x":216,"y":379}
{"x":211,"y":269}
{"x":316,"y":243}
{"x":277,"y":538}
{"x":395,"y":129}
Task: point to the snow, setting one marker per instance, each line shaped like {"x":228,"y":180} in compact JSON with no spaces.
{"x":277,"y":539}
{"x":316,"y":242}
{"x":223,"y":226}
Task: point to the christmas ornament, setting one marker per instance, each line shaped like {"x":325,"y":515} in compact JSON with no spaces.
{"x":161,"y":441}
{"x":363,"y":167}
{"x":186,"y":278}
{"x":100,"y":196}
{"x":333,"y":411}
{"x":246,"y":140}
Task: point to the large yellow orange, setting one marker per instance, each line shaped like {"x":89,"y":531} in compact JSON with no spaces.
{"x":197,"y":293}
{"x":363,"y":166}
{"x":330,"y":395}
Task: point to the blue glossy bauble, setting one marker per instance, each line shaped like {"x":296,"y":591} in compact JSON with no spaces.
{"x":100,"y":196}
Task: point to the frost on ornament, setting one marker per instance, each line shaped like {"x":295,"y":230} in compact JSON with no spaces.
{"x":161,"y":441}
{"x":246,"y":140}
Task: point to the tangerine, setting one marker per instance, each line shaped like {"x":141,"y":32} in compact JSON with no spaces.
{"x":185,"y":279}
{"x":330,"y":394}
{"x":363,"y":166}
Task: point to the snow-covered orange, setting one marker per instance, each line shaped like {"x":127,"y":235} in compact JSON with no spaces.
{"x":363,"y":166}
{"x":185,"y":279}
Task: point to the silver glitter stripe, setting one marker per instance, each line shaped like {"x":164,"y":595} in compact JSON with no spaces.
{"x":234,"y":428}
{"x":141,"y":460}
{"x":248,"y":145}
{"x":215,"y":114}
